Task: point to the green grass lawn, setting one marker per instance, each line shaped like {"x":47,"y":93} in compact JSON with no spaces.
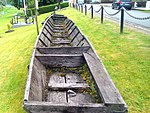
{"x":146,"y":11}
{"x":126,"y":57}
{"x":15,"y":52}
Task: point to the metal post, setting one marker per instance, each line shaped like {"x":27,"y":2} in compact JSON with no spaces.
{"x":122,"y":20}
{"x":102,"y":12}
{"x":12,"y":21}
{"x":81,"y":8}
{"x":92,"y":11}
{"x":73,"y":5}
{"x":36,"y":20}
{"x":24,"y":4}
{"x":77,"y":6}
{"x":17,"y":18}
{"x":85,"y":10}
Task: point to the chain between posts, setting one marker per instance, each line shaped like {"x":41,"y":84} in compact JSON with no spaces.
{"x":112,"y":14}
{"x":102,"y":9}
{"x":138,"y":18}
{"x":98,"y":10}
{"x":90,"y":8}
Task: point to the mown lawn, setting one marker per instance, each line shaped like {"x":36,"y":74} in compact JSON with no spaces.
{"x":15,"y":52}
{"x":126,"y":57}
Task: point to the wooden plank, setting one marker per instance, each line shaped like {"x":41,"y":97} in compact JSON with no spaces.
{"x":55,"y":27}
{"x":105,"y":86}
{"x":38,"y":76}
{"x":72,"y":30}
{"x":55,"y":78}
{"x":74,"y":78}
{"x":56,"y":97}
{"x":64,"y":86}
{"x":63,"y":50}
{"x":48,"y":31}
{"x":61,"y":60}
{"x":60,"y":35}
{"x":80,"y":98}
{"x":75,"y":37}
{"x":64,"y":107}
{"x":47,"y":37}
{"x":42,"y":42}
{"x":61,"y":42}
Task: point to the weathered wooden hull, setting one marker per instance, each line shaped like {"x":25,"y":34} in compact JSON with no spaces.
{"x":66,"y":75}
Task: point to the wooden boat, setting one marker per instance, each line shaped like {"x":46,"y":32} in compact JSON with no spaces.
{"x":66,"y":75}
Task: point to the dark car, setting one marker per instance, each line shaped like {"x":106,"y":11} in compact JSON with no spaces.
{"x":117,"y":4}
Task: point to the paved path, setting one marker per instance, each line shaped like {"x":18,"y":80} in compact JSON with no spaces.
{"x":20,"y":24}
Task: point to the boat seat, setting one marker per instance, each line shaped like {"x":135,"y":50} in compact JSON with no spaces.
{"x":61,"y":36}
{"x":61,"y":42}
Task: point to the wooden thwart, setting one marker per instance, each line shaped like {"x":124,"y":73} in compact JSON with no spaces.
{"x":63,"y":50}
{"x":57,"y":86}
{"x":65,"y":107}
{"x":61,"y":60}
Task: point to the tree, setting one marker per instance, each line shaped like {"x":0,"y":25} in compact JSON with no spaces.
{"x":3,"y":2}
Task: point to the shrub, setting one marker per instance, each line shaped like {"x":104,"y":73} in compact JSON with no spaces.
{"x":49,"y":8}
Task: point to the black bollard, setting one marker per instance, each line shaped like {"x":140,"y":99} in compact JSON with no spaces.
{"x":76,"y":7}
{"x":81,"y":8}
{"x":85,"y":10}
{"x":122,"y":20}
{"x":102,"y":12}
{"x":92,"y":11}
{"x":73,"y":5}
{"x":17,"y":19}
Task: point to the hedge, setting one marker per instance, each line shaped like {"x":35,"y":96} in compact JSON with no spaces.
{"x":46,"y":9}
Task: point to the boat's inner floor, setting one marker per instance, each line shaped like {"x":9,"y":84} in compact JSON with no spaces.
{"x":70,"y":85}
{"x":61,"y":33}
{"x":67,"y":85}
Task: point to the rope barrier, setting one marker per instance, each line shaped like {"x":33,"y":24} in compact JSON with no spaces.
{"x":112,"y":14}
{"x":98,"y":10}
{"x":138,"y":18}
